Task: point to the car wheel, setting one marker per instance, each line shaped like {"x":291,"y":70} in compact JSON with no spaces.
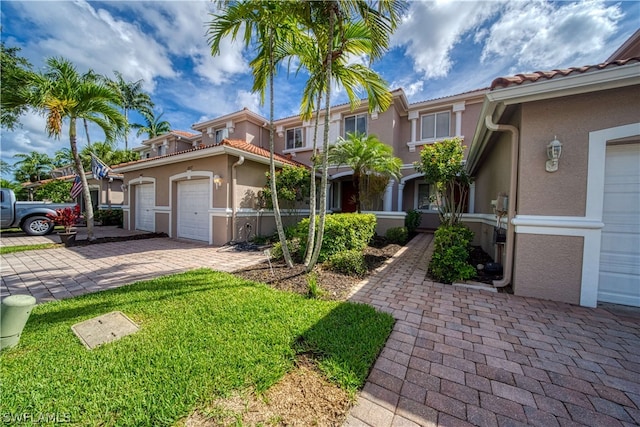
{"x":38,"y":226}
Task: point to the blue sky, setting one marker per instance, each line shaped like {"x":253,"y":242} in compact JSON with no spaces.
{"x":442,"y":48}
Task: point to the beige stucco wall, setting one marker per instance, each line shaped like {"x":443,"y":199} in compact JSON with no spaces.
{"x":548,"y":267}
{"x":570,"y":119}
{"x":162,"y":222}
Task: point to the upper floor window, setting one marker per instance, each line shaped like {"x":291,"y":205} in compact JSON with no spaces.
{"x":436,"y":125}
{"x":162,"y":150}
{"x":294,"y":138}
{"x":221,"y":134}
{"x":357,"y":123}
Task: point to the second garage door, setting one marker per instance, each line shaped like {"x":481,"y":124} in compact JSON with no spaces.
{"x":193,"y":210}
{"x":620,"y":250}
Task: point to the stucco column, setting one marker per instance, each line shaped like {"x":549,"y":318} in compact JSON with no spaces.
{"x":328,"y":196}
{"x":413,"y":117}
{"x":472,"y":197}
{"x":388,"y":197}
{"x":458,"y":109}
{"x":400,"y":191}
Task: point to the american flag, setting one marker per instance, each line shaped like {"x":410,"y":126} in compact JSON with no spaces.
{"x":76,"y":188}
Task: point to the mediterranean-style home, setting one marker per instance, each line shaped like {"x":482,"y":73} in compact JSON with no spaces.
{"x":537,"y":148}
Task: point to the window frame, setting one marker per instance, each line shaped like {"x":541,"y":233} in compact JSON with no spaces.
{"x":432,"y":207}
{"x":435,"y":136}
{"x":222,"y":131}
{"x":286,"y":138}
{"x":356,"y":117}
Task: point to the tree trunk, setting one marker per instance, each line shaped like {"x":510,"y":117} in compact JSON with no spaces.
{"x":356,"y":187}
{"x":311,"y":237}
{"x":272,"y":165}
{"x":86,"y":131}
{"x":126,"y":129}
{"x":325,"y":146}
{"x":80,"y":170}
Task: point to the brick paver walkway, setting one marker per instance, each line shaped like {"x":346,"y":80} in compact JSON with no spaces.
{"x":460,"y":357}
{"x":51,"y":274}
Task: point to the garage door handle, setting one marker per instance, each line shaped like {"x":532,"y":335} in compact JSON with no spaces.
{"x":195,"y":213}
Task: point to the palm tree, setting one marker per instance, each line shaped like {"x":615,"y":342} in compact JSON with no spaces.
{"x":274,"y":24}
{"x":328,"y":21}
{"x":131,"y":97}
{"x":33,"y":166}
{"x":61,"y":93}
{"x":154,"y":125}
{"x":366,"y":155}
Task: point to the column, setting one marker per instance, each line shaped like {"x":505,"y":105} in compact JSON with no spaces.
{"x":472,"y":197}
{"x":413,"y":117}
{"x":458,"y":109}
{"x":387,"y":200}
{"x":400,"y":192}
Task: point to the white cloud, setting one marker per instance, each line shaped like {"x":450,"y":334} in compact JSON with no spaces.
{"x":544,"y":35}
{"x":431,"y":30}
{"x":249,"y":100}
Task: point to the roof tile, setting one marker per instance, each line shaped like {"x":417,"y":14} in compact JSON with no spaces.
{"x":518,"y":79}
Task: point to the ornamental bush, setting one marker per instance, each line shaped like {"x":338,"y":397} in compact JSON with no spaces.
{"x":109,"y":217}
{"x":342,"y":232}
{"x":412,"y":220}
{"x":350,"y":262}
{"x":398,"y":235}
{"x":451,"y":246}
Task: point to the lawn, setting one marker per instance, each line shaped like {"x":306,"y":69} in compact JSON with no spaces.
{"x":204,"y":334}
{"x":21,"y":248}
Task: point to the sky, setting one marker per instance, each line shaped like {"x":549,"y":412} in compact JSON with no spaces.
{"x":441,"y":48}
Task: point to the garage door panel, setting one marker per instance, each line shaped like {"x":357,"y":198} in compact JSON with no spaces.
{"x":193,"y":210}
{"x":619,"y":280}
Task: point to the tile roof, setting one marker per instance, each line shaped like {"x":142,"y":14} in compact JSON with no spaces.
{"x":518,"y":79}
{"x":185,"y":134}
{"x":237,"y":144}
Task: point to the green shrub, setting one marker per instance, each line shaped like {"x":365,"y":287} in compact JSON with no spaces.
{"x":109,"y":217}
{"x":450,"y":254}
{"x":398,"y":235}
{"x":294,"y":250}
{"x":348,"y":262}
{"x":313,"y":288}
{"x":412,"y":220}
{"x":342,"y":232}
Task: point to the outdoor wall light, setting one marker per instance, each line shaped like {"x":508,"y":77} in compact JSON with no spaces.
{"x":124,"y":187}
{"x":554,"y":150}
{"x":217,"y":180}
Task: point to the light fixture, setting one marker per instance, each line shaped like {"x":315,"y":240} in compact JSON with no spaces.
{"x":124,"y":187}
{"x":554,"y":150}
{"x":217,"y":180}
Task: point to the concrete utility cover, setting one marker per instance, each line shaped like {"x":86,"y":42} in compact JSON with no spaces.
{"x":103,"y":329}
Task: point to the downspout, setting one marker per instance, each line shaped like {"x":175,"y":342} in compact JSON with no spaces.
{"x":233,"y":198}
{"x":511,"y":210}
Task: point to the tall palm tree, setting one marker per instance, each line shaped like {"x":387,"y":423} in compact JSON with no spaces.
{"x":366,"y":155}
{"x":61,"y":94}
{"x":33,"y":166}
{"x":154,"y":125}
{"x":327,"y":21}
{"x":131,"y":97}
{"x":273,"y":23}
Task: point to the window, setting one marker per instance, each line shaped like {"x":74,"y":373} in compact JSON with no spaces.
{"x":161,"y":150}
{"x":426,"y":197}
{"x":357,"y":123}
{"x":436,"y":126}
{"x":294,"y":138}
{"x":221,"y":134}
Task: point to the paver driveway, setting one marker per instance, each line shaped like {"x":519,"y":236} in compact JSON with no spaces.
{"x":466,"y":357}
{"x":50,"y":274}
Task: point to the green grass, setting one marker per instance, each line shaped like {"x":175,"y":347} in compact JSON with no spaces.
{"x":204,"y":334}
{"x":11,"y":249}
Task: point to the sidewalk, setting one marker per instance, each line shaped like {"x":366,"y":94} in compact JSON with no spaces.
{"x":461,"y":357}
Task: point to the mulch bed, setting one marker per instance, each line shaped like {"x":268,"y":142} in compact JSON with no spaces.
{"x":85,"y":242}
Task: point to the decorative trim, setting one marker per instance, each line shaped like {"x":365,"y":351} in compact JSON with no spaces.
{"x":558,"y":223}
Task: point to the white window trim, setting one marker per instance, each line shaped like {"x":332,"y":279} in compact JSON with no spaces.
{"x":294,"y":149}
{"x":344,"y":122}
{"x":435,"y":114}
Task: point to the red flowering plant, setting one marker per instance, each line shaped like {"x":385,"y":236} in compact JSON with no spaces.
{"x":67,"y":217}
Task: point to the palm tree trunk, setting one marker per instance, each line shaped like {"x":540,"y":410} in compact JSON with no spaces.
{"x":86,"y":131}
{"x":356,"y":187}
{"x":272,"y":166}
{"x":312,"y":190}
{"x":80,"y":170}
{"x":325,"y":146}
{"x":126,"y":130}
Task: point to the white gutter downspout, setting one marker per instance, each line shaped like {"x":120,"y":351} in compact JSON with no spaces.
{"x":511,"y":210}
{"x":233,"y":198}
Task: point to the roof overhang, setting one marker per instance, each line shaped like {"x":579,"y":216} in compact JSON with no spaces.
{"x":497,"y":101}
{"x":217,"y":150}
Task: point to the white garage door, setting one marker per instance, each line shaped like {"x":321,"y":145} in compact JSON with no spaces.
{"x":620,"y":251}
{"x":193,"y":210}
{"x":145,"y":202}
